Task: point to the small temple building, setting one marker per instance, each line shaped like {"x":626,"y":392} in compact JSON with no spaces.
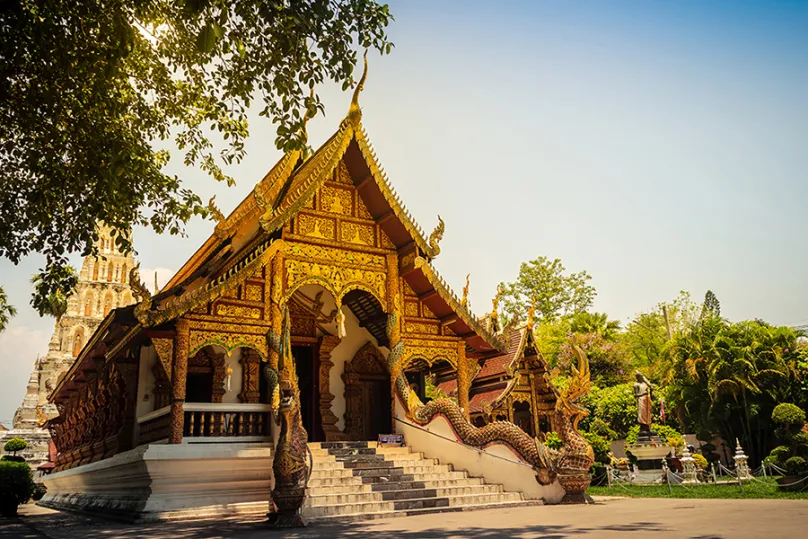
{"x":102,"y":287}
{"x":172,"y":407}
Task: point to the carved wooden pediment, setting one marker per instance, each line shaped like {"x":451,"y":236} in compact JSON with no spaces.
{"x":367,"y":360}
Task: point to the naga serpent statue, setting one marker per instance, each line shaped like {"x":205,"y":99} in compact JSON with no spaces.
{"x":570,"y":464}
{"x":289,"y":464}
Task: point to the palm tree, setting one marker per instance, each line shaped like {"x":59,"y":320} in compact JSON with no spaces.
{"x":597,"y":323}
{"x":6,"y":311}
{"x":728,"y":378}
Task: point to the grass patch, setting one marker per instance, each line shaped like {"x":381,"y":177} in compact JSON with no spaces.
{"x":766,"y":488}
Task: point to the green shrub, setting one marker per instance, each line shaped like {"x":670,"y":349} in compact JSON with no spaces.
{"x":796,"y":466}
{"x":553,"y":440}
{"x":780,"y":454}
{"x":14,"y":445}
{"x":788,"y":414}
{"x":601,"y":428}
{"x":599,"y":444}
{"x":668,"y":434}
{"x":700,"y":461}
{"x":16,"y":486}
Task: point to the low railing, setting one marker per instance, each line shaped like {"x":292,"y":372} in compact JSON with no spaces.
{"x":212,"y":420}
{"x":155,"y":426}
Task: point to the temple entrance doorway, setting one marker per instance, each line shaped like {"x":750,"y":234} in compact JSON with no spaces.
{"x":368,"y":411}
{"x":522,"y":417}
{"x":308,"y":382}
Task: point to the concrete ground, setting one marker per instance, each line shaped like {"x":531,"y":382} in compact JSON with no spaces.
{"x":610,"y":517}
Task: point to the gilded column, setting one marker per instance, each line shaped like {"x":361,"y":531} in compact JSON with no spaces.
{"x":464,"y":374}
{"x":179,"y":376}
{"x":329,"y":420}
{"x":275,"y":315}
{"x":394,"y":324}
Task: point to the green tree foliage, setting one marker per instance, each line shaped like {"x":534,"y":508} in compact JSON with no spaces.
{"x":53,"y":303}
{"x":647,"y":335}
{"x":92,"y":92}
{"x":728,"y":378}
{"x":668,"y":434}
{"x":614,"y":405}
{"x":607,"y":360}
{"x":555,"y":292}
{"x":596,"y":323}
{"x":553,"y":440}
{"x":711,"y":306}
{"x":7,"y":311}
{"x":15,"y":444}
{"x":16,"y":486}
{"x":790,"y":420}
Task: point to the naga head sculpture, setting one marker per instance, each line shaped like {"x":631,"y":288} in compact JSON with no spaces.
{"x":579,"y":385}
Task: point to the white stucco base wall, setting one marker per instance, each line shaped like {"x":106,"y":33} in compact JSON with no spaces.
{"x":158,"y":482}
{"x":496,"y":463}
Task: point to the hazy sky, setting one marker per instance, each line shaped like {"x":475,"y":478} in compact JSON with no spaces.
{"x":661,"y":146}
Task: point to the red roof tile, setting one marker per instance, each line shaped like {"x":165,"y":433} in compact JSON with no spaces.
{"x":496,"y":365}
{"x":448,"y":387}
{"x":476,"y":401}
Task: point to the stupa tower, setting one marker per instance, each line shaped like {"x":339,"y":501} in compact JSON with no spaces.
{"x":103,"y":285}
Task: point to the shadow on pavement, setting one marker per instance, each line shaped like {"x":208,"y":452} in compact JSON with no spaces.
{"x":64,"y":526}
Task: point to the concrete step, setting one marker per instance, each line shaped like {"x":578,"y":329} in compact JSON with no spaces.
{"x":326,"y":482}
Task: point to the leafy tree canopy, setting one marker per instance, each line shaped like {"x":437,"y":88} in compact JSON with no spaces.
{"x":14,"y":445}
{"x":7,"y":311}
{"x":554,"y":292}
{"x":91,"y":92}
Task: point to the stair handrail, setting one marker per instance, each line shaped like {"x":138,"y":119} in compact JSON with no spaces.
{"x":477,"y":449}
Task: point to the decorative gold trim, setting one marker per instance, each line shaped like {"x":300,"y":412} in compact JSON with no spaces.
{"x":230,"y":280}
{"x":390,"y":195}
{"x":456,"y":304}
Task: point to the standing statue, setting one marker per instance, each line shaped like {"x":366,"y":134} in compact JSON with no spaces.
{"x":643,"y":392}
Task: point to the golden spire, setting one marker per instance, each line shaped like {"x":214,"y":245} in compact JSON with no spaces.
{"x":531,"y":312}
{"x":355,"y":112}
{"x":495,"y":304}
{"x":465,"y":300}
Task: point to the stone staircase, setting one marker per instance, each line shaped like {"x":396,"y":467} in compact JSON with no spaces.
{"x":360,"y":480}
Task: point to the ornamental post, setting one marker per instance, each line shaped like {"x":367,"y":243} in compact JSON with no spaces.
{"x":179,"y":377}
{"x":463,"y":379}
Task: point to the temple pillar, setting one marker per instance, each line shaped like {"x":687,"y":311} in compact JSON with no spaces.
{"x":251,"y":371}
{"x":275,"y":297}
{"x":464,"y":376}
{"x":329,"y":420}
{"x":179,"y":377}
{"x":394,"y":332}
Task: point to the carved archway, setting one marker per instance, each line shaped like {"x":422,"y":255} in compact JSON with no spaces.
{"x":367,"y":395}
{"x":206,"y":366}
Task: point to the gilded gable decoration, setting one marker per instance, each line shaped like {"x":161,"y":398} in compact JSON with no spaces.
{"x":435,"y":237}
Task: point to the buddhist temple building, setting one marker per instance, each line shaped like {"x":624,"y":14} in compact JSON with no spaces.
{"x":172,"y":406}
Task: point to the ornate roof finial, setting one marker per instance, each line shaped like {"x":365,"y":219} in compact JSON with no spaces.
{"x":531,"y":312}
{"x":465,"y":300}
{"x":156,"y":287}
{"x":436,"y":237}
{"x":495,"y":301}
{"x":138,"y":288}
{"x":218,"y":216}
{"x":355,"y":112}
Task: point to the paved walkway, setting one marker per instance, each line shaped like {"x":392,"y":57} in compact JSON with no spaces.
{"x":610,"y":518}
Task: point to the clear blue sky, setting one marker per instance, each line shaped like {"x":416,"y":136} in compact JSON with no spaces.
{"x":661,"y":146}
